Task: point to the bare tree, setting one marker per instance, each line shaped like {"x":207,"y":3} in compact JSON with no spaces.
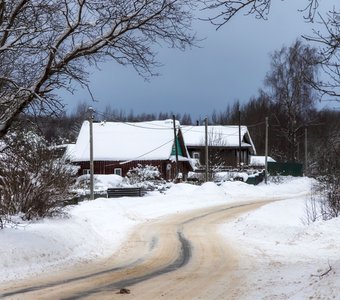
{"x":328,"y":39}
{"x":47,"y":45}
{"x":216,"y":155}
{"x":227,"y":9}
{"x":292,"y":69}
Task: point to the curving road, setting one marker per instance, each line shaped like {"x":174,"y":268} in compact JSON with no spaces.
{"x":178,"y":257}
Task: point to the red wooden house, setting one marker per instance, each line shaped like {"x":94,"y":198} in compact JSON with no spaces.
{"x":120,"y":146}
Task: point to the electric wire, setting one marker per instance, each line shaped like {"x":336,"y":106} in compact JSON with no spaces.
{"x":189,"y":129}
{"x":150,"y":151}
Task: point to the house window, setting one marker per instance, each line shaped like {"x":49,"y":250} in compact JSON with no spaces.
{"x":196,"y":155}
{"x":118,"y":171}
{"x":86,"y":171}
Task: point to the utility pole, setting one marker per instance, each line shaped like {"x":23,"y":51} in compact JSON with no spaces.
{"x":91,"y":110}
{"x":175,"y":145}
{"x":206,"y":151}
{"x":266,"y":154}
{"x":306,"y":153}
{"x":239,"y":139}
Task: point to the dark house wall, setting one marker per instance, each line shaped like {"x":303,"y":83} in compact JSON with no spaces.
{"x":229,"y":156}
{"x":166,"y":168}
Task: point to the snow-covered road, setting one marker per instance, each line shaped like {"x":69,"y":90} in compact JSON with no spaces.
{"x":176,"y":257}
{"x":284,"y":254}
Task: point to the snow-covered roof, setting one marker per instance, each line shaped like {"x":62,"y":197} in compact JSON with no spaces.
{"x":259,"y":161}
{"x":70,"y":148}
{"x":218,"y":135}
{"x":124,"y":141}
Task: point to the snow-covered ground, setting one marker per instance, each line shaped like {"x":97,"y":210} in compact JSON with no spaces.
{"x":286,"y":255}
{"x":287,"y":259}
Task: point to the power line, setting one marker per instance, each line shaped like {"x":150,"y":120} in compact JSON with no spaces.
{"x":134,"y":125}
{"x":163,"y":127}
{"x":139,"y":126}
{"x":185,"y":130}
{"x":136,"y":158}
{"x":217,"y":132}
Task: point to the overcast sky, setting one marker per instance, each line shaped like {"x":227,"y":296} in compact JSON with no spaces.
{"x":230,"y":65}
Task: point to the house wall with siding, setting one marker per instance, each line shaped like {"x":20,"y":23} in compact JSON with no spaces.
{"x":229,"y":156}
{"x":166,"y":167}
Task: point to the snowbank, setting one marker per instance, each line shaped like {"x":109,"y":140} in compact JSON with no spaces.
{"x":278,"y":229}
{"x":287,"y":259}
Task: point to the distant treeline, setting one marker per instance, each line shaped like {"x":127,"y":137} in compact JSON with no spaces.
{"x":319,"y":124}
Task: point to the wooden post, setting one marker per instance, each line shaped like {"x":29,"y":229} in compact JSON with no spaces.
{"x":91,"y":110}
{"x":239,"y":139}
{"x":175,"y":143}
{"x":206,"y":151}
{"x":306,"y":153}
{"x":266,"y":154}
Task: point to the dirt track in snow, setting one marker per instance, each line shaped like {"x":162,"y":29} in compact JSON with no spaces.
{"x":177,"y":257}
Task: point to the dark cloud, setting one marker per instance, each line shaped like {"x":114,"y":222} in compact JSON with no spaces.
{"x":230,"y":64}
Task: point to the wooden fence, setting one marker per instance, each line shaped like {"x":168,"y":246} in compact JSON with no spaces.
{"x":125,"y":192}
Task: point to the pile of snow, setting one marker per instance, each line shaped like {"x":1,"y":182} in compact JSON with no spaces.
{"x":279,"y":229}
{"x":287,"y":258}
{"x":275,"y":233}
{"x":237,"y":175}
{"x":230,"y":176}
{"x":290,"y":188}
{"x":101,"y":183}
{"x":259,"y":161}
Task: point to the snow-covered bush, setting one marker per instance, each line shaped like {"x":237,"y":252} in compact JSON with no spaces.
{"x":147,"y":177}
{"x":143,"y":173}
{"x":33,"y":181}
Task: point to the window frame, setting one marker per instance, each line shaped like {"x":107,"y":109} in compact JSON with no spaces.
{"x":118,"y":170}
{"x":86,"y":171}
{"x":196,"y":155}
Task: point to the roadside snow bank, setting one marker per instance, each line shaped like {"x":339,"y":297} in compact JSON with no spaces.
{"x":85,"y":234}
{"x":286,"y":258}
{"x":291,"y":187}
{"x":97,"y":228}
{"x":278,"y":229}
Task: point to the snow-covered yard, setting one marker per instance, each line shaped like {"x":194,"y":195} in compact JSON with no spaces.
{"x":286,"y":257}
